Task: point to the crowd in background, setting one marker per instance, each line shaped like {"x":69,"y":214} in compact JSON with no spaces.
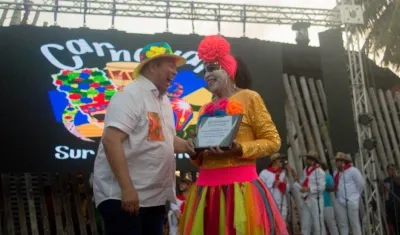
{"x":331,"y":202}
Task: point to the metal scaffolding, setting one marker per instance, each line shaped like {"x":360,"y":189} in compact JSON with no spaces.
{"x":182,"y":10}
{"x":351,"y":16}
{"x":347,"y":15}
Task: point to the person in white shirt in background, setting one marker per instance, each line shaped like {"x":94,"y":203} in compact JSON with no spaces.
{"x":178,"y":207}
{"x":275,"y":179}
{"x":350,"y":185}
{"x":311,"y":188}
{"x":329,"y":212}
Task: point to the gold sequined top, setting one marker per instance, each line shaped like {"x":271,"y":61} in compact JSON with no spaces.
{"x":257,"y":134}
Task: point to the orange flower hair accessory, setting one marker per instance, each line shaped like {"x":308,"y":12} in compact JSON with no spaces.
{"x":234,"y":107}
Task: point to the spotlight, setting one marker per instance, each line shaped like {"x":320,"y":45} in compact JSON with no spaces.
{"x":369,"y":144}
{"x":365,"y":119}
{"x":302,"y":33}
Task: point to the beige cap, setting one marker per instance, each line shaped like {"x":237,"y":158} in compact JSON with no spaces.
{"x":276,"y":156}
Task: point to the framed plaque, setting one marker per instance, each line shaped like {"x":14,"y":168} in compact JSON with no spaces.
{"x":217,"y":131}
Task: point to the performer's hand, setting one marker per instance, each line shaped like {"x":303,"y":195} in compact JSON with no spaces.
{"x":276,"y":183}
{"x":130,"y":200}
{"x":235,"y":150}
{"x":304,"y":189}
{"x":215,"y":150}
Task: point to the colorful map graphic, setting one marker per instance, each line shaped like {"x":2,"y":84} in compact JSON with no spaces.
{"x":81,"y":97}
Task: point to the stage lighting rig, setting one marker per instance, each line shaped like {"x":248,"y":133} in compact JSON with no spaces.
{"x":365,"y":119}
{"x":369,"y":144}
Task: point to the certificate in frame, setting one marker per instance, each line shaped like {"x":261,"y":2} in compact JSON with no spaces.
{"x":217,"y":131}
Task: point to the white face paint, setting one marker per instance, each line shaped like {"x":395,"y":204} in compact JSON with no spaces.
{"x":216,"y":80}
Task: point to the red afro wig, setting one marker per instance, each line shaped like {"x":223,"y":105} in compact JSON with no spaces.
{"x":215,"y":48}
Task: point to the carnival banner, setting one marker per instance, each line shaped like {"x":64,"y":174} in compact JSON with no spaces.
{"x":57,"y":85}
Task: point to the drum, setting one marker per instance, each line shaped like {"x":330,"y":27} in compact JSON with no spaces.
{"x":121,"y":73}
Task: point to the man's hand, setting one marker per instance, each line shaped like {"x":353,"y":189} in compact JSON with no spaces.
{"x":276,"y":183}
{"x":190,"y":147}
{"x":235,"y":150}
{"x":183,"y":146}
{"x":130,"y":201}
{"x":304,"y":189}
{"x":112,"y":141}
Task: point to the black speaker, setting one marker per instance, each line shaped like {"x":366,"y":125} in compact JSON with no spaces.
{"x":337,"y":88}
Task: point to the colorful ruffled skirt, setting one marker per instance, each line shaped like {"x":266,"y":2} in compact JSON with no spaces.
{"x":231,"y":201}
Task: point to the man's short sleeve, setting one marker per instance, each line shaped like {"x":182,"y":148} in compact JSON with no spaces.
{"x":329,"y":180}
{"x":123,"y":112}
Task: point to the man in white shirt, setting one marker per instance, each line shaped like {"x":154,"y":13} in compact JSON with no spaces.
{"x":311,"y":188}
{"x":134,"y":171}
{"x":276,"y":181}
{"x":350,"y":185}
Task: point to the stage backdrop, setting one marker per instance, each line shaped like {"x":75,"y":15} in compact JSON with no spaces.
{"x":57,"y":83}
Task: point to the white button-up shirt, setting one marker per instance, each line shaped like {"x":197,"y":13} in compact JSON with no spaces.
{"x":147,"y":117}
{"x":351,"y":185}
{"x":316,"y":183}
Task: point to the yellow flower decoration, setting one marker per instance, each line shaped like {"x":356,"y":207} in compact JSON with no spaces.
{"x":154,"y":51}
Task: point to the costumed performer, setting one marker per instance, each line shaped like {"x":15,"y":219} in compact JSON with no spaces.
{"x":311,"y":187}
{"x":350,"y":185}
{"x":275,"y":178}
{"x":228,"y":198}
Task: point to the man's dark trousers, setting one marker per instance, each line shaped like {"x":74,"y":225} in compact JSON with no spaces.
{"x":150,"y":220}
